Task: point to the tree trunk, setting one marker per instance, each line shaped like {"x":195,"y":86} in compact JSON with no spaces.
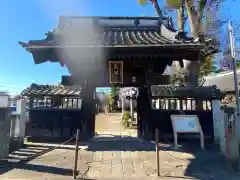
{"x":191,"y":68}
{"x":157,"y":8}
{"x":179,"y":20}
{"x":180,"y":17}
{"x":192,"y":16}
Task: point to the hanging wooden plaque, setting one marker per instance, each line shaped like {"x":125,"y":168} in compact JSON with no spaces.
{"x":116,"y":72}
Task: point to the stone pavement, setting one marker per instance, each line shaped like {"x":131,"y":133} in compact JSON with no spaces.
{"x":116,"y":153}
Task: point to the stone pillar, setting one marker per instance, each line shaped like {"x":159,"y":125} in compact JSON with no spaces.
{"x":18,"y":125}
{"x":123,"y":104}
{"x":221,"y":130}
{"x":132,"y":108}
{"x":21,"y":108}
{"x":218,"y":116}
{"x":230,"y":142}
{"x":233,"y":145}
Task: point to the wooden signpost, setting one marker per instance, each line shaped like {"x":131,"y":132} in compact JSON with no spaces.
{"x":186,"y":124}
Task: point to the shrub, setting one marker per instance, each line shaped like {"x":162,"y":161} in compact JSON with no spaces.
{"x":126,"y":117}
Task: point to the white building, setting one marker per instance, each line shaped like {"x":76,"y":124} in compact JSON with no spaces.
{"x":223,"y":80}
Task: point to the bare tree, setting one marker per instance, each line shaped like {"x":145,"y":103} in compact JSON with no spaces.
{"x":204,"y":19}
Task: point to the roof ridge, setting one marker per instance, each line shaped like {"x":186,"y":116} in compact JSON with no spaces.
{"x":113,"y":17}
{"x":64,"y":20}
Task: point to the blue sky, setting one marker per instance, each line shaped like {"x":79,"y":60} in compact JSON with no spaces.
{"x":23,"y":20}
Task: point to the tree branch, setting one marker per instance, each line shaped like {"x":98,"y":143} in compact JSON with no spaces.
{"x":157,"y":8}
{"x":201,"y":6}
{"x":181,"y":17}
{"x":192,"y":16}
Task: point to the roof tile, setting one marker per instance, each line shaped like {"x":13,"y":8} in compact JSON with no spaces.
{"x":46,"y":90}
{"x":113,"y":31}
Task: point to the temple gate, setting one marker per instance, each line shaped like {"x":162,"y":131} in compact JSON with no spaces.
{"x":115,"y":51}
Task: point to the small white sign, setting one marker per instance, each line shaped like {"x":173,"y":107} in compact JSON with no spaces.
{"x":3,"y":101}
{"x":186,"y":123}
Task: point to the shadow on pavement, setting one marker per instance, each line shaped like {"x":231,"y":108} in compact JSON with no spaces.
{"x":40,"y":168}
{"x":109,"y":142}
{"x":207,"y":164}
{"x":19,"y":159}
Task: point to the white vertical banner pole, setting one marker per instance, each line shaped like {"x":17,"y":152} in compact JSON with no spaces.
{"x":233,"y":55}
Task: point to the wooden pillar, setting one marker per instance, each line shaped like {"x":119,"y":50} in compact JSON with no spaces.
{"x":145,"y":110}
{"x":88,"y":110}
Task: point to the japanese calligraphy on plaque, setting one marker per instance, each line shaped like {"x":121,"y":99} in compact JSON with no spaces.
{"x":116,"y":72}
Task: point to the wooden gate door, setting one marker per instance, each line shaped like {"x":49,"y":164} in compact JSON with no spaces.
{"x":155,"y":111}
{"x":53,"y":124}
{"x":189,"y":106}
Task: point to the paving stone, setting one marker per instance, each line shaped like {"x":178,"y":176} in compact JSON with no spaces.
{"x":98,"y":156}
{"x":106,"y":162}
{"x":117,"y":171}
{"x":105,"y":169}
{"x":93,"y":173}
{"x":108,"y":155}
{"x":116,"y":163}
{"x":125,"y":155}
{"x":138,"y":168}
{"x":128,"y":167}
{"x":96,"y":165}
{"x":134,"y":155}
{"x":116,"y":154}
{"x":86,"y":156}
{"x":112,"y":157}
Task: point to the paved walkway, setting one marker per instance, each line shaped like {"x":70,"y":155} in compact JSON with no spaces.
{"x":116,"y":153}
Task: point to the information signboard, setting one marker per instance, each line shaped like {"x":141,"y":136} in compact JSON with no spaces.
{"x":186,"y":124}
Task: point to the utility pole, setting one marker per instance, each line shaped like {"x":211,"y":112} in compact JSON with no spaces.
{"x":233,"y":55}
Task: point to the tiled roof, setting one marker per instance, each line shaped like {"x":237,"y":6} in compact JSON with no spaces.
{"x":184,"y":92}
{"x":111,"y":32}
{"x":50,"y":90}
